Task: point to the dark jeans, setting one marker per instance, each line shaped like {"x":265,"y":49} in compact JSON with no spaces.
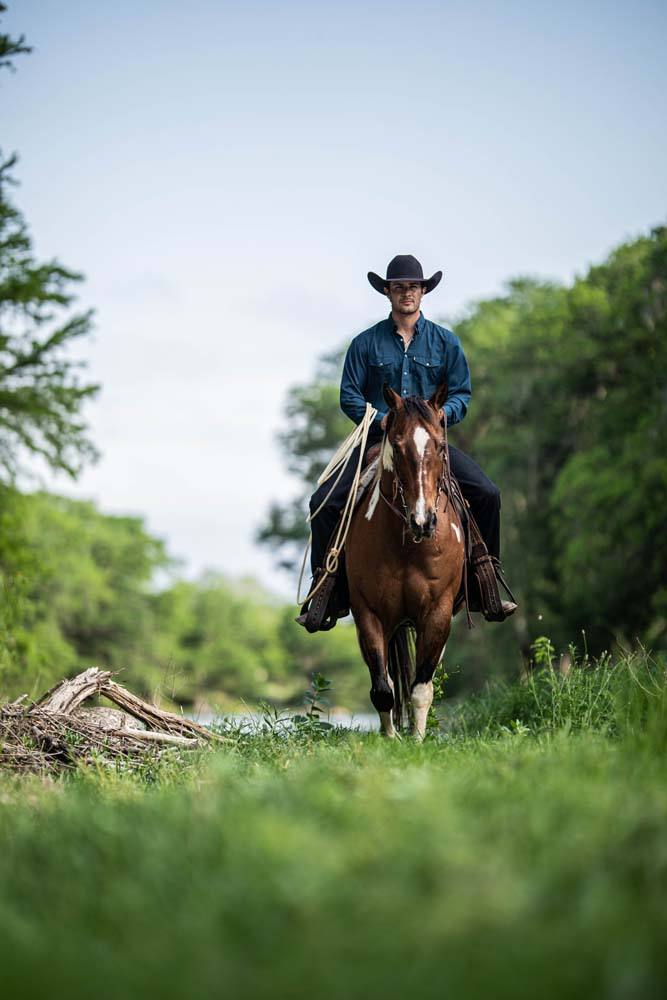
{"x":482,"y":495}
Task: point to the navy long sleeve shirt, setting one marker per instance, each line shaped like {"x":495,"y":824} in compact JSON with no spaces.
{"x":378,"y":355}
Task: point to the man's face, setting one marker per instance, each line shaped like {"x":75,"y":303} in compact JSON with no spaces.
{"x":405,"y":296}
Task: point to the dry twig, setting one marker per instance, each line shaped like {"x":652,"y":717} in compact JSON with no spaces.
{"x":55,"y":732}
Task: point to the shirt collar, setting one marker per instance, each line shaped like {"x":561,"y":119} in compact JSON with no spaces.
{"x":419,"y":325}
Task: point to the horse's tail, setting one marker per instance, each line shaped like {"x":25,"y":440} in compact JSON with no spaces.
{"x":401,"y":670}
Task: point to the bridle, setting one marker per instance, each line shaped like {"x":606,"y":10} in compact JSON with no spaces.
{"x":444,"y":486}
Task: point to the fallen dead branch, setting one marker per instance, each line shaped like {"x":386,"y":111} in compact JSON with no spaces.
{"x":56,"y":732}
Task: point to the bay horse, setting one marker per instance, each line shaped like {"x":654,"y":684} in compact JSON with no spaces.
{"x":404,"y":559}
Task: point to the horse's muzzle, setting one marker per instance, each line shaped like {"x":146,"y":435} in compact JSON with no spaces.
{"x":426,"y":530}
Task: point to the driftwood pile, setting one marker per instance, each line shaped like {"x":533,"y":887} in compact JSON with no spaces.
{"x":56,"y":732}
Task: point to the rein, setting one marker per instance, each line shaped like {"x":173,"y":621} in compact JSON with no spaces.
{"x":339,"y":463}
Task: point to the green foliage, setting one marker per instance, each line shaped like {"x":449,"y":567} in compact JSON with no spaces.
{"x":10,"y":46}
{"x":569,"y":417}
{"x":623,"y":698}
{"x":41,"y":391}
{"x":82,"y":584}
{"x":334,"y":654}
{"x":41,"y":400}
{"x":543,"y":651}
{"x":218,"y":638}
{"x":440,"y":678}
{"x":317,"y":702}
{"x":511,"y":865}
{"x":317,"y":695}
{"x":78,"y":590}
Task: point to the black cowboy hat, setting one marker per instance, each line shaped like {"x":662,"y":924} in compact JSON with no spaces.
{"x":405,"y":267}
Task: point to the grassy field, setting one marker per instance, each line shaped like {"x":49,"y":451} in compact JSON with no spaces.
{"x":521,"y":853}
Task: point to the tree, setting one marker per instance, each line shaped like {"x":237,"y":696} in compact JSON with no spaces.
{"x":609,"y":499}
{"x":41,"y":397}
{"x":41,"y":391}
{"x":79,"y":581}
{"x":11,"y":46}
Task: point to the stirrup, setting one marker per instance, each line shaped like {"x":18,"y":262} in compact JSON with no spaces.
{"x":315,"y":618}
{"x":508,"y":607}
{"x":488,"y":574}
{"x":502,"y":580}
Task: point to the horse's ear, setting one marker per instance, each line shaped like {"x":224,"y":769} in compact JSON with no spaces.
{"x":391,"y":398}
{"x":439,"y":397}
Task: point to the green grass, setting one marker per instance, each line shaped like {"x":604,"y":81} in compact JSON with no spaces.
{"x":626,"y":698}
{"x":524,"y":854}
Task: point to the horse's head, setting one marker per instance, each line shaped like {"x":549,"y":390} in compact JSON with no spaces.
{"x":414,"y":451}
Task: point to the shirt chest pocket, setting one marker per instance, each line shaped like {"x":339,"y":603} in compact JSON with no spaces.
{"x":381,"y":370}
{"x":427,"y":373}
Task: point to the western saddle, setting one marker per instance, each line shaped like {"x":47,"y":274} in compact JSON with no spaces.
{"x":479,"y":591}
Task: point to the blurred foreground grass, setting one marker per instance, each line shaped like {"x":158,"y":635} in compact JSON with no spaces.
{"x":522,"y":854}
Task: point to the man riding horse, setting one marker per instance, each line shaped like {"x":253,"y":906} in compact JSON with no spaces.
{"x":412,"y":356}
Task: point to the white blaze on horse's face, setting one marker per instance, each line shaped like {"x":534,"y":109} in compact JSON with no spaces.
{"x":415,"y":459}
{"x":421,"y":437}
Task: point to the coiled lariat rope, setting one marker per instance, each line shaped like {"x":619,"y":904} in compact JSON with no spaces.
{"x":339,"y":463}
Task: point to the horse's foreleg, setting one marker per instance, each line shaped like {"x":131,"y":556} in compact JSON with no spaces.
{"x":373,"y":645}
{"x":422,"y":699}
{"x":431,"y":639}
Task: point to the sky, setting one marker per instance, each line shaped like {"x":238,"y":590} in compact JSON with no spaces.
{"x":226,"y":174}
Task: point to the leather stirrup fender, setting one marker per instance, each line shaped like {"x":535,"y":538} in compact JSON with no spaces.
{"x":316,"y":618}
{"x":485,"y":574}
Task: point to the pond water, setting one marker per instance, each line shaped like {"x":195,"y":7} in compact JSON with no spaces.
{"x":366,"y":722}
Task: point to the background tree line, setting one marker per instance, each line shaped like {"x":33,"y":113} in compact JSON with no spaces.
{"x":78,"y":590}
{"x":569,"y":418}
